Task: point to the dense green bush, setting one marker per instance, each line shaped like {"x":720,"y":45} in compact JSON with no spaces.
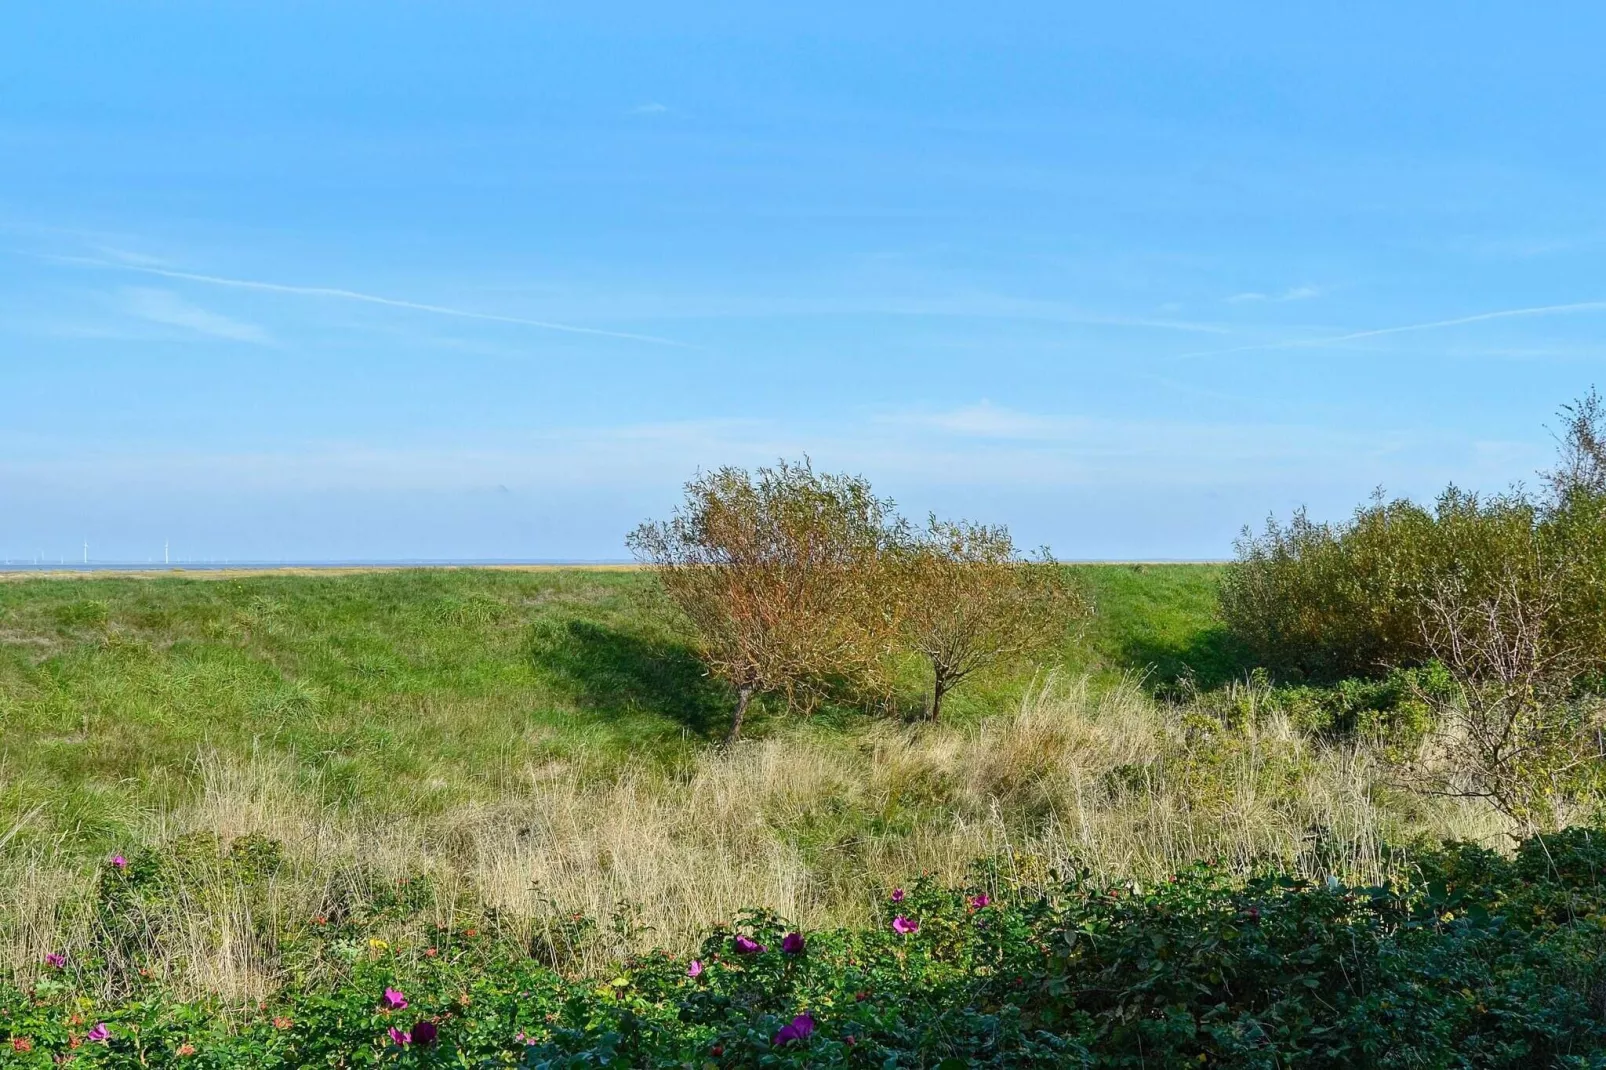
{"x":1395,"y":711}
{"x":1477,"y":960}
{"x":1325,"y":601}
{"x":1321,"y":602}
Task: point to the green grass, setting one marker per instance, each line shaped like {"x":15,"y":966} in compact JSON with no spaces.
{"x":421,"y":688}
{"x":317,"y":779}
{"x":1161,"y":620}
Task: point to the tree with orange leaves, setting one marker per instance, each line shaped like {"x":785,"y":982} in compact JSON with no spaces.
{"x":778,"y":573}
{"x":966,"y":601}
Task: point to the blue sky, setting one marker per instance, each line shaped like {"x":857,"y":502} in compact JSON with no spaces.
{"x":468,"y":280}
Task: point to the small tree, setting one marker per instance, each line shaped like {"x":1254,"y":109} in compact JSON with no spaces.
{"x":775,"y":571}
{"x":967,"y":601}
{"x":1581,"y":450}
{"x":1516,"y":731}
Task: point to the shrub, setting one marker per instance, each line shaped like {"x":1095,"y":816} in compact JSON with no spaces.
{"x":1322,"y":602}
{"x":795,"y":583}
{"x":966,"y":601}
{"x":1476,"y":961}
{"x":1397,"y":710}
{"x":1505,"y":594}
{"x":776,"y":573}
{"x":1581,"y":450}
{"x":1516,"y":641}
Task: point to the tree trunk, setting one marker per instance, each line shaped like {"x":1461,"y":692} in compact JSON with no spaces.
{"x":939,"y":688}
{"x":744,"y":695}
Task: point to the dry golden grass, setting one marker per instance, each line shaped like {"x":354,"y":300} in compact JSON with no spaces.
{"x":813,"y":828}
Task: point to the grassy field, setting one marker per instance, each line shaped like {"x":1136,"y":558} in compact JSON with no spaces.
{"x":522,"y":749}
{"x":1160,"y":621}
{"x":419,"y":689}
{"x":412,"y":688}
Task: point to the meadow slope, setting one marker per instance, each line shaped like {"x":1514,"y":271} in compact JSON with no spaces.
{"x":535,"y":747}
{"x":418,"y":689}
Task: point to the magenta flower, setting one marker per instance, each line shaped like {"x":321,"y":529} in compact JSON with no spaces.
{"x":394,"y":1000}
{"x":425,"y":1032}
{"x":747,"y":946}
{"x":897,"y":895}
{"x":800,"y":1028}
{"x":792,"y":943}
{"x":904,"y":926}
{"x":100,"y":1034}
{"x":119,"y":862}
{"x":695,"y":969}
{"x":980,"y":901}
{"x":55,"y":959}
{"x":399,"y":1037}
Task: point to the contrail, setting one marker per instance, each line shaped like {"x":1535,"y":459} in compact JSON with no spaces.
{"x":371,"y":299}
{"x":1316,"y":343}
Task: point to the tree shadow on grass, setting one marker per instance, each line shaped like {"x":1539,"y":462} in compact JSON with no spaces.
{"x":616,"y":672}
{"x":1210,"y":657}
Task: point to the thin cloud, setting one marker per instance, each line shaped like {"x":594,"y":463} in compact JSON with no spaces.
{"x":366,"y":298}
{"x":1296,"y":293}
{"x":982,"y":420}
{"x":1379,"y":332}
{"x":126,"y":257}
{"x":166,"y":307}
{"x":994,"y":306}
{"x":652,"y":107}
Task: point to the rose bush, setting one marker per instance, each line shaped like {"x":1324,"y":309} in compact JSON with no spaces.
{"x":1476,"y":960}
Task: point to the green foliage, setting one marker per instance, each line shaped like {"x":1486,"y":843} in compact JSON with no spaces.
{"x":1396,"y":710}
{"x":1322,"y":602}
{"x":965,"y":601}
{"x":776,"y":574}
{"x":1477,"y":961}
{"x":1325,"y":601}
